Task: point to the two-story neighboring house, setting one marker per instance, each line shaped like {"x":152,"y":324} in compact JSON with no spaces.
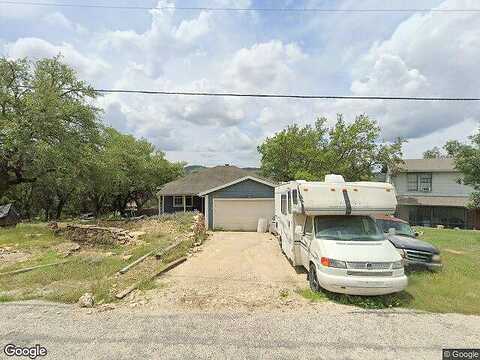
{"x":429,"y":194}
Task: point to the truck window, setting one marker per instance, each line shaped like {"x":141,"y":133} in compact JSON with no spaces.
{"x":308,"y":229}
{"x":294,"y":197}
{"x":289,"y":201}
{"x":283,"y":204}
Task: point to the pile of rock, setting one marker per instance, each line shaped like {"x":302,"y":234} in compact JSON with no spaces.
{"x":97,"y":235}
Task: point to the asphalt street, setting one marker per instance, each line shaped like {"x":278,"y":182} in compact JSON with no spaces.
{"x":68,"y":332}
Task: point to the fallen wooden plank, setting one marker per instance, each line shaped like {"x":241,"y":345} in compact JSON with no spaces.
{"x":136,"y":262}
{"x":166,"y":268}
{"x":170,"y":266}
{"x":162,"y":252}
{"x":19,"y":271}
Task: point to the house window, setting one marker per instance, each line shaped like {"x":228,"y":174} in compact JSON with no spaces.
{"x":294,"y":196}
{"x":188,"y":201}
{"x":419,"y":182}
{"x":283,"y":204}
{"x":412,"y":182}
{"x":425,"y":181}
{"x":289,"y":202}
{"x":178,"y":201}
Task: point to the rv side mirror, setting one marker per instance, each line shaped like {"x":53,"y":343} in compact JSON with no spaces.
{"x":298,"y":230}
{"x":416,"y":234}
{"x":391,"y":231}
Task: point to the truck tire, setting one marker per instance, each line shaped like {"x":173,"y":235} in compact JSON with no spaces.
{"x":312,"y":279}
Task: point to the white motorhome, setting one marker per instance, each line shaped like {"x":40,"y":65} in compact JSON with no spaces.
{"x":326,"y":228}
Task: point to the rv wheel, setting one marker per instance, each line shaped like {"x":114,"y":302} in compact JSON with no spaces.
{"x":312,"y":279}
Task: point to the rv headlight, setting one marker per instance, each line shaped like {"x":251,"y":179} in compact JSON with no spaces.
{"x":397,"y":265}
{"x":402,"y":253}
{"x":436,"y":258}
{"x":333,"y":263}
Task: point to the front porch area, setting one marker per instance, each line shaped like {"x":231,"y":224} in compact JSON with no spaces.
{"x":169,"y":204}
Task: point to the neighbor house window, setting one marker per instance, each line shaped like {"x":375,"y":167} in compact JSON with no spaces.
{"x":178,"y":201}
{"x":188,"y":201}
{"x":412,"y":182}
{"x":425,"y":181}
{"x":419,"y":182}
{"x":294,"y":196}
{"x":283,"y":204}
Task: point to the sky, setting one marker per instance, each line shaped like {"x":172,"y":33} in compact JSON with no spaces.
{"x":339,"y":53}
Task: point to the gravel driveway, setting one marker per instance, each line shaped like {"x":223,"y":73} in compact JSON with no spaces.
{"x":233,"y":270}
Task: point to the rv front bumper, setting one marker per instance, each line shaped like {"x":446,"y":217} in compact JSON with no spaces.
{"x":360,"y":285}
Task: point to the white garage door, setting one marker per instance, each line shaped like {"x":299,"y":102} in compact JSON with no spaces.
{"x":241,"y":214}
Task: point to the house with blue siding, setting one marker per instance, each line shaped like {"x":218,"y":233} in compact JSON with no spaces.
{"x":231,"y":198}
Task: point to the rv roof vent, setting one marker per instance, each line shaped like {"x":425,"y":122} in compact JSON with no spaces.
{"x":333,"y":178}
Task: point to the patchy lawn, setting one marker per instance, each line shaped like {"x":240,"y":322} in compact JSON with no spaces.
{"x":455,"y":289}
{"x":89,"y":269}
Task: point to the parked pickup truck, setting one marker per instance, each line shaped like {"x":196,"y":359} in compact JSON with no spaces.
{"x":418,"y":254}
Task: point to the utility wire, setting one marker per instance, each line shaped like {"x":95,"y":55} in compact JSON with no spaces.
{"x":274,"y":96}
{"x":233,"y":9}
{"x":287,"y":96}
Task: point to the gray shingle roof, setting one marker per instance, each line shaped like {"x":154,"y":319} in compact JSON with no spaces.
{"x":203,"y":180}
{"x":429,"y":165}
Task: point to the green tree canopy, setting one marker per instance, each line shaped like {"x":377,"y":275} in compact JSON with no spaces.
{"x":46,"y":117}
{"x":56,"y":154}
{"x":467,"y":161}
{"x":126,"y":169}
{"x":310,"y":152}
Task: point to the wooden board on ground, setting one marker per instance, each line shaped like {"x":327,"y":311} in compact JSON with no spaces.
{"x":136,"y":262}
{"x":164,"y":269}
{"x":162,"y":252}
{"x":19,"y":271}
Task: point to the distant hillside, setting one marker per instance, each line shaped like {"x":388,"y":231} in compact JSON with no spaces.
{"x":192,"y":168}
{"x":252,"y":169}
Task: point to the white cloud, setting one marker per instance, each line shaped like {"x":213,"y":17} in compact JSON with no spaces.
{"x":89,"y":67}
{"x":190,"y":30}
{"x":264,"y":66}
{"x":427,"y":55}
{"x":57,"y":19}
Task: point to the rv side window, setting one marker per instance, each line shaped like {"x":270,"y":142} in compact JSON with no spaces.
{"x":283,"y":204}
{"x":289,"y":201}
{"x":308,"y":229}
{"x":294,"y":197}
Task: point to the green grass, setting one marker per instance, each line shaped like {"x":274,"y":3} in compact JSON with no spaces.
{"x":92,"y":270}
{"x":454,"y":289}
{"x":28,"y":237}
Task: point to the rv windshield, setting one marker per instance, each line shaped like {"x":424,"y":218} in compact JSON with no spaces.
{"x":347,"y":228}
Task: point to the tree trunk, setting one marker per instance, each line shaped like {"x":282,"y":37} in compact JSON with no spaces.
{"x":60,"y":205}
{"x":97,"y":203}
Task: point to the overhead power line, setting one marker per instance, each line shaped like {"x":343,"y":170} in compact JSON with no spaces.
{"x":287,"y":96}
{"x":235,"y":9}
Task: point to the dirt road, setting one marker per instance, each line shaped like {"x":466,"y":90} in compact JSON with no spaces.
{"x":233,"y":270}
